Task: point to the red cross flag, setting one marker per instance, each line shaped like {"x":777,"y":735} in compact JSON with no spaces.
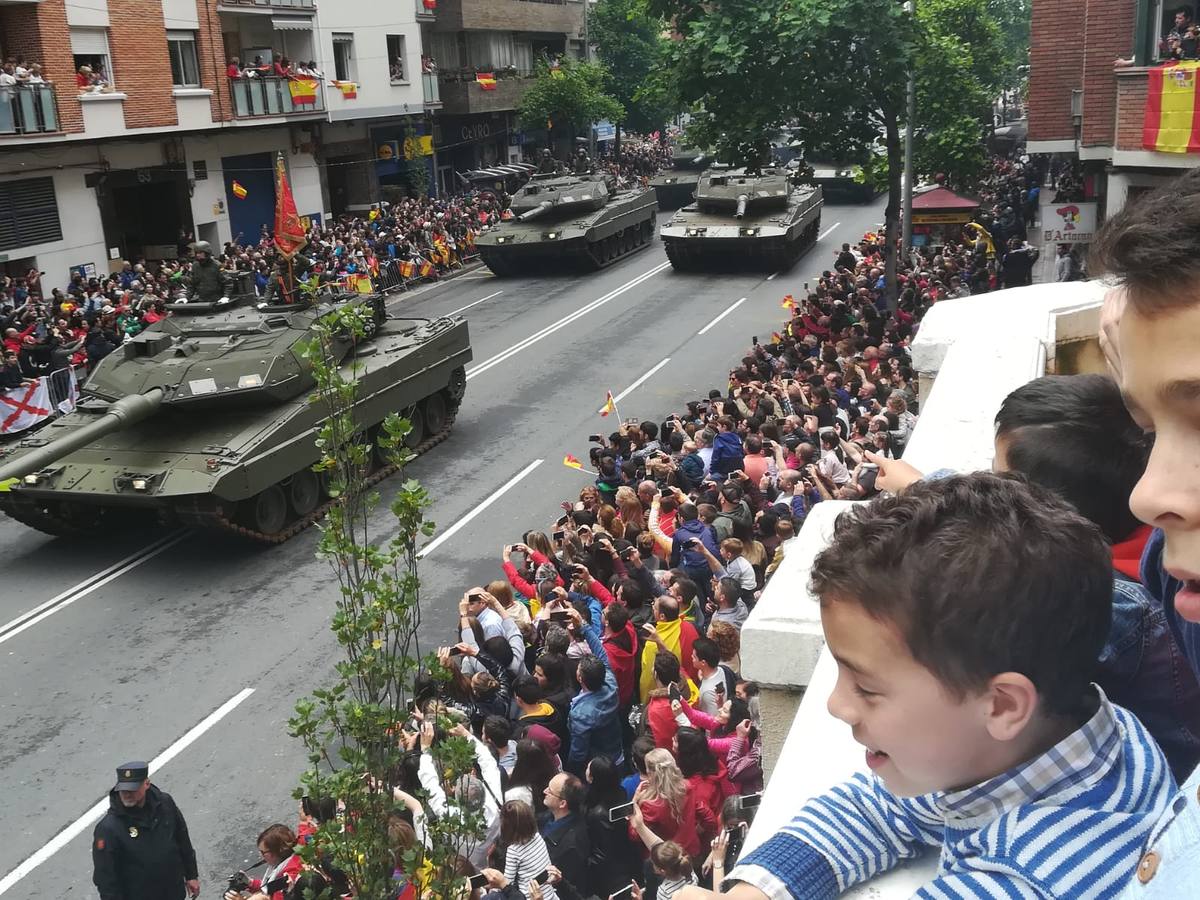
{"x":24,"y":407}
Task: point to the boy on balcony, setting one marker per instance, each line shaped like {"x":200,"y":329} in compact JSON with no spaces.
{"x":966,"y":616}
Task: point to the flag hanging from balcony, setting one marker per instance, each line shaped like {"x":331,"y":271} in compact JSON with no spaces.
{"x":349,"y":89}
{"x":303,"y":91}
{"x":430,"y":5}
{"x":238,"y":191}
{"x":1172,"y":119}
{"x":289,"y":232}
{"x":486,"y":80}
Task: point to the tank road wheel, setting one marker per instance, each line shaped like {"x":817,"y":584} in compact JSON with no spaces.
{"x":304,"y":492}
{"x":416,"y":417}
{"x":626,"y":240}
{"x":610,"y":248}
{"x":267,"y":510}
{"x":434,"y":407}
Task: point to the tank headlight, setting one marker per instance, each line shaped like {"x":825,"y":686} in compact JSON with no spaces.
{"x":669,"y":181}
{"x":749,"y":232}
{"x":695,"y":232}
{"x":32,"y":478}
{"x":551,"y":235}
{"x":501,"y":240}
{"x":138,"y":484}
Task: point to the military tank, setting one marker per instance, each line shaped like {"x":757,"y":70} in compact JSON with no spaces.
{"x":676,"y":186}
{"x":205,"y":419}
{"x":577,"y":221}
{"x":758,"y":219}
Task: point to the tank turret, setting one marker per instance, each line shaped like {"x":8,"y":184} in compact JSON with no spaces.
{"x":206,"y":417}
{"x":676,"y":186}
{"x":737,"y":192}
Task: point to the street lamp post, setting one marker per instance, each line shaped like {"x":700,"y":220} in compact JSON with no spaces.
{"x":910,"y":125}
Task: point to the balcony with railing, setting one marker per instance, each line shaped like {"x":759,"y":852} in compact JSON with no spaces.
{"x":966,"y":368}
{"x":28,"y":109}
{"x":462,"y":95}
{"x":544,"y":16}
{"x":258,"y":97}
{"x":426,"y":10}
{"x":431,"y":88}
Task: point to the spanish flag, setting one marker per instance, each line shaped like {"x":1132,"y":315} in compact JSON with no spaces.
{"x":486,"y":80}
{"x":426,"y":268}
{"x":349,"y":89}
{"x":776,"y":337}
{"x":303,"y":91}
{"x":571,"y":462}
{"x":788,"y":302}
{"x":610,"y":405}
{"x":239,"y":191}
{"x":407,"y":270}
{"x":670,"y":632}
{"x":1172,"y":120}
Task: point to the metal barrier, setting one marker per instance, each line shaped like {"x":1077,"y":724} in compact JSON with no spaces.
{"x":64,"y":389}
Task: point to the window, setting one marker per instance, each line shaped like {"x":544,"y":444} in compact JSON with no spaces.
{"x":184,"y":70}
{"x":397,"y":59}
{"x":1164,"y":22}
{"x":28,"y":213}
{"x":343,"y":57}
{"x":89,"y":46}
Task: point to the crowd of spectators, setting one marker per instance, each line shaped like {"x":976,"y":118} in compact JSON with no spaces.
{"x":640,"y":158}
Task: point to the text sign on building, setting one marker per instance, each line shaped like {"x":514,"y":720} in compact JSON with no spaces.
{"x":1069,"y":223}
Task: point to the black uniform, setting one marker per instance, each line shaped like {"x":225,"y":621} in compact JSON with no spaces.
{"x":142,"y":852}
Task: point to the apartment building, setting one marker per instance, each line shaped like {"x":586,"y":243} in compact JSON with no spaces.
{"x":1090,"y":64}
{"x":166,"y":144}
{"x":476,"y":125}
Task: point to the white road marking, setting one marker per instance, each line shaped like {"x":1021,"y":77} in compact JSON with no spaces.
{"x":563,"y":322}
{"x":721,"y":316}
{"x":629,"y":390}
{"x":78,"y":592}
{"x":462,"y":523}
{"x":94,"y":814}
{"x":476,"y":303}
{"x":827,"y":230}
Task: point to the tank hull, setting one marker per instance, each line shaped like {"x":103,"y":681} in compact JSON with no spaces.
{"x":188,"y":466}
{"x":578,"y":241}
{"x":773,"y":239}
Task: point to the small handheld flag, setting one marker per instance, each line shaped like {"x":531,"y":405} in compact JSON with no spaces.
{"x":239,"y":191}
{"x":609,"y":405}
{"x":571,"y":462}
{"x":776,"y":337}
{"x":789,"y":302}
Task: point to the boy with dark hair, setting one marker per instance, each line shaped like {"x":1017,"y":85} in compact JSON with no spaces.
{"x":966,"y":615}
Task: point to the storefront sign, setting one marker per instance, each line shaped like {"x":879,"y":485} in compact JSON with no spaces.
{"x":387,"y":150}
{"x":605,"y":131}
{"x":1069,"y":223}
{"x":476,"y":132}
{"x":942,"y":218}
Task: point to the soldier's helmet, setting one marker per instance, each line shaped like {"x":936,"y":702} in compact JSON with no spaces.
{"x":202,"y":247}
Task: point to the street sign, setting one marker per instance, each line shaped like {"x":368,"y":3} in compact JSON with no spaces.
{"x":1069,"y":223}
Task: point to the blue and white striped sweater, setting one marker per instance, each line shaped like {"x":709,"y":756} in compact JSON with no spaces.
{"x":1067,"y":824}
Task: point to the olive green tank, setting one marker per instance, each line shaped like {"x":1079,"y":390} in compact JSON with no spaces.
{"x":676,"y":186}
{"x":575,"y":221}
{"x":204,"y":419}
{"x":744,"y":219}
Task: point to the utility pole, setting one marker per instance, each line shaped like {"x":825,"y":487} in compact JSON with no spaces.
{"x":910,"y":125}
{"x":587,"y":56}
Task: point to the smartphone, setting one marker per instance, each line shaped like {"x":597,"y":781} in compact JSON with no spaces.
{"x":754,"y":340}
{"x":560,"y":616}
{"x":673,"y":692}
{"x":477,"y":596}
{"x":596,"y":438}
{"x":617,"y":813}
{"x":456,"y":651}
{"x":632,"y":420}
{"x":628,"y":889}
{"x":478,"y":882}
{"x":563,"y":520}
{"x":692,"y":542}
{"x":558,"y":536}
{"x":542,"y":877}
{"x":749,"y":801}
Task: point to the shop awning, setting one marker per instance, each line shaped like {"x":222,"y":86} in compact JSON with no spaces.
{"x":290,"y":23}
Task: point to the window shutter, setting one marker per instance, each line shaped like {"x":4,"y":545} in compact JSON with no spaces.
{"x":28,"y":213}
{"x":89,"y":42}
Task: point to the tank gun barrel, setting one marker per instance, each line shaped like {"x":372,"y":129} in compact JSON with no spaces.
{"x":531,"y":214}
{"x":125,"y":412}
{"x":742,"y":200}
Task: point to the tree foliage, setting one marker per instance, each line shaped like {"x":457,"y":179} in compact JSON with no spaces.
{"x":631,"y":45}
{"x":1013,"y":18}
{"x":350,"y":728}
{"x":573,"y":95}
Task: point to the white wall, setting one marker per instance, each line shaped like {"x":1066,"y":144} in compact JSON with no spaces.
{"x":370,"y":22}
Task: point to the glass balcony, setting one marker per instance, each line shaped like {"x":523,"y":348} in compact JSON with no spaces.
{"x":28,"y":109}
{"x":271,"y":96}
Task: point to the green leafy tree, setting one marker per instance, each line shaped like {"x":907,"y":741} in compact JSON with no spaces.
{"x":353,"y":728}
{"x":571,"y":96}
{"x":1013,"y":18}
{"x":631,"y":46}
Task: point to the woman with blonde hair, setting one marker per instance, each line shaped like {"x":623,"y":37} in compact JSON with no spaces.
{"x":503,"y":592}
{"x":668,"y":805}
{"x":631,"y":513}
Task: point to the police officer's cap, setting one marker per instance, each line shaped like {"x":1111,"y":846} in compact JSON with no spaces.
{"x":131,"y":775}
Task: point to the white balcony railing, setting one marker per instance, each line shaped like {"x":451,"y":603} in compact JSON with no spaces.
{"x":966,"y":367}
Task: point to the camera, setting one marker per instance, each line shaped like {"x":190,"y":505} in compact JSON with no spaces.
{"x":238,"y":881}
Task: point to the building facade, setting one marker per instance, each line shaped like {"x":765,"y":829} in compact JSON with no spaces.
{"x":138,"y":139}
{"x":1090,"y":65}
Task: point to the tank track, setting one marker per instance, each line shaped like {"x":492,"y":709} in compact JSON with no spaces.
{"x":215,"y":517}
{"x":594,"y":255}
{"x":29,"y":512}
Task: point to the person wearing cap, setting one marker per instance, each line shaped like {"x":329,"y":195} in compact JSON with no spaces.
{"x":141,"y":849}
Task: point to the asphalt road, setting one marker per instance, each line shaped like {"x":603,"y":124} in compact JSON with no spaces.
{"x":158,"y":636}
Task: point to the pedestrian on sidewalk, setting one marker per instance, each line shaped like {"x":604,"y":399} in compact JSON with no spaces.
{"x":141,"y":849}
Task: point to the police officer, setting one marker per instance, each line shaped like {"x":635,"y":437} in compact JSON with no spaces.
{"x":205,"y":285}
{"x":141,"y":849}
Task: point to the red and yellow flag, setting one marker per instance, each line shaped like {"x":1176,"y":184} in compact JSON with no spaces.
{"x":349,"y":89}
{"x":407,"y":270}
{"x":571,"y":462}
{"x":776,"y":337}
{"x":238,"y":191}
{"x":289,"y":231}
{"x":486,"y":80}
{"x":1172,"y":119}
{"x":303,"y":91}
{"x":610,"y":405}
{"x":788,"y":302}
{"x":426,"y":268}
